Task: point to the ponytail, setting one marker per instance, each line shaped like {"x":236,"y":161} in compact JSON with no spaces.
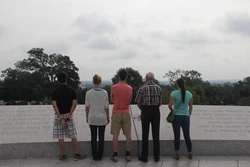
{"x":181,"y":85}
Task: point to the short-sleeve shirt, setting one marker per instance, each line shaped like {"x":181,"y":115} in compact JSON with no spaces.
{"x":181,"y":108}
{"x":149,"y":94}
{"x":122,"y":95}
{"x":97,"y":101}
{"x":64,"y":95}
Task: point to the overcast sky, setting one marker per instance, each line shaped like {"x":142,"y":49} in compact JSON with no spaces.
{"x":101,"y":36}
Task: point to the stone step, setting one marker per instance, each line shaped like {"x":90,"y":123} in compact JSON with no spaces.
{"x":51,"y":149}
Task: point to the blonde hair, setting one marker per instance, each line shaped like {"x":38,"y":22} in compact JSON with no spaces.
{"x":97,"y":79}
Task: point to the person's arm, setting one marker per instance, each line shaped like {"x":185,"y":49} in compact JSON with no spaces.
{"x":87,"y":114}
{"x":130,"y":96}
{"x":54,"y":104}
{"x":170,"y":104}
{"x":73,"y":107}
{"x":190,"y":106}
{"x":111,"y":95}
{"x":107,"y":113}
{"x":87,"y":104}
{"x":160,"y":97}
{"x":74,"y":104}
{"x":107,"y":108}
{"x":138,"y":98}
{"x":56,"y":110}
{"x":139,"y":105}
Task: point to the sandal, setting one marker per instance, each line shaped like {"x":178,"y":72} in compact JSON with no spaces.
{"x":176,"y":156}
{"x":63,"y":158}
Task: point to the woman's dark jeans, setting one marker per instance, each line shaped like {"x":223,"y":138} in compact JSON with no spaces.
{"x":97,"y":152}
{"x":184,"y":122}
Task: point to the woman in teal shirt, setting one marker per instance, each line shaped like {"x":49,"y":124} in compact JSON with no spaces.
{"x":183,"y":105}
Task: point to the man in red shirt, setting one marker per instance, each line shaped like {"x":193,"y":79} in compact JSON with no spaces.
{"x":121,"y":95}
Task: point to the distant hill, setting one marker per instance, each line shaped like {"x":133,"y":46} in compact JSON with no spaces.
{"x":220,"y":82}
{"x":89,"y":84}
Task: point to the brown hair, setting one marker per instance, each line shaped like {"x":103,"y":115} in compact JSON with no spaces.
{"x":181,"y":84}
{"x":97,"y":79}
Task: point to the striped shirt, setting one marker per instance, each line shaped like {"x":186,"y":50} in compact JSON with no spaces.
{"x":149,"y":94}
{"x":97,"y":101}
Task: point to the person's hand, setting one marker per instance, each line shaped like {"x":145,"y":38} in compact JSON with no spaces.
{"x":60,"y":117}
{"x":68,"y":116}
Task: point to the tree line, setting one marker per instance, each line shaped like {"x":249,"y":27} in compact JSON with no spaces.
{"x":33,"y":79}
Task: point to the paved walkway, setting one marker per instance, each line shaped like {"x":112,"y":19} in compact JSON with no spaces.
{"x":198,"y":161}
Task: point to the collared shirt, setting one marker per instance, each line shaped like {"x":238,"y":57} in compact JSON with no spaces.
{"x":149,"y":94}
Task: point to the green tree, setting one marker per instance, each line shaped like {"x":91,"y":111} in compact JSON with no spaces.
{"x":203,"y":92}
{"x":34,"y":78}
{"x":242,"y":91}
{"x":245,"y":87}
{"x":134,"y":80}
{"x":244,"y":101}
{"x":49,"y":65}
{"x":211,"y":94}
{"x":1,"y":90}
{"x":227,"y":94}
{"x":196,"y":97}
{"x":191,"y":77}
{"x":81,"y":93}
{"x":166,"y":91}
{"x":107,"y":88}
{"x":172,"y":76}
{"x":19,"y":85}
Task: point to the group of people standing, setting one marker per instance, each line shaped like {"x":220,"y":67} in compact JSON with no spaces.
{"x":148,"y":99}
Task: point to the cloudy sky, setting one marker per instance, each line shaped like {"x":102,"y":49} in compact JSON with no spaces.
{"x":101,"y":36}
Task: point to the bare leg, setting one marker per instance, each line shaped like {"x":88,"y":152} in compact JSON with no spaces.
{"x":62,"y":146}
{"x":75,"y":145}
{"x":128,"y":143}
{"x":115,"y":143}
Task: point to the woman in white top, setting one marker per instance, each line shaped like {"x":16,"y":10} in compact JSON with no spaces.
{"x":97,"y":116}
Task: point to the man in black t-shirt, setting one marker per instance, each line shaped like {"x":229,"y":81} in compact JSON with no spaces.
{"x":64,"y":102}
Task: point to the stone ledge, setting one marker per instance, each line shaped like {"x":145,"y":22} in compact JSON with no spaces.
{"x":51,"y":149}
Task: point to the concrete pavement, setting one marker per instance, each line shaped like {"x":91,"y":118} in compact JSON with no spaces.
{"x":198,"y":161}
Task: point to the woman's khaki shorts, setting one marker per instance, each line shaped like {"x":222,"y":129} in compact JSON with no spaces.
{"x":118,"y":121}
